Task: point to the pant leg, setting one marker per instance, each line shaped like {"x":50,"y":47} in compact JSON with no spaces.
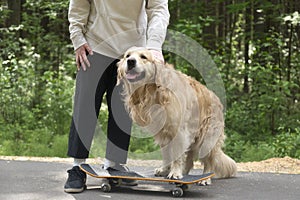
{"x":119,"y":122}
{"x":87,"y":102}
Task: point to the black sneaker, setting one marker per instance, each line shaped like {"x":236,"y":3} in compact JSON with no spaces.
{"x":120,"y":168}
{"x":76,"y":180}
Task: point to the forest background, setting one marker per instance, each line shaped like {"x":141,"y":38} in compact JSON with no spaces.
{"x":254,"y":43}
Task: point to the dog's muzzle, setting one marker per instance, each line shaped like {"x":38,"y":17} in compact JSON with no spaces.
{"x":131,"y":63}
{"x":131,"y":73}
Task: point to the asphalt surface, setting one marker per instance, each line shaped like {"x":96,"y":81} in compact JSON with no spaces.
{"x":28,"y":180}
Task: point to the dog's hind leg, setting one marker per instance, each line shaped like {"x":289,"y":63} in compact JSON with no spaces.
{"x":207,"y":168}
{"x":189,"y":162}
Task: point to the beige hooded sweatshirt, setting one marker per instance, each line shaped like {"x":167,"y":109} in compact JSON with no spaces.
{"x":110,"y":27}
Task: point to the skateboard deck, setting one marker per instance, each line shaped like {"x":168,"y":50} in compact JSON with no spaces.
{"x":114,"y":178}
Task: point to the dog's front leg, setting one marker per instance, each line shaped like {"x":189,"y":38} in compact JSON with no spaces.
{"x":173,"y":162}
{"x":164,"y":170}
{"x":177,"y":168}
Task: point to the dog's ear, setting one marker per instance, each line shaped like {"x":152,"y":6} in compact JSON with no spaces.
{"x":120,"y":72}
{"x":159,"y":67}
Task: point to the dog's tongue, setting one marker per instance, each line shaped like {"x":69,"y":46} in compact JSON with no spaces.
{"x":131,"y":75}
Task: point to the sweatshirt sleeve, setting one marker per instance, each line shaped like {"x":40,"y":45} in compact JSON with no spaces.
{"x":158,"y":21}
{"x":78,"y":16}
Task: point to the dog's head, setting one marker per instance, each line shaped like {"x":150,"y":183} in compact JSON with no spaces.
{"x":137,"y":66}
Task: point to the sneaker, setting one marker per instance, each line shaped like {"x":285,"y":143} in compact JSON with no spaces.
{"x":120,"y":168}
{"x":76,"y":181}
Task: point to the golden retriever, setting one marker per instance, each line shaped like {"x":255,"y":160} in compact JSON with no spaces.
{"x":185,"y":118}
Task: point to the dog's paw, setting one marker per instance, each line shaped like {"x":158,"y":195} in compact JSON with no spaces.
{"x":162,"y":171}
{"x":204,"y":182}
{"x":175,"y":175}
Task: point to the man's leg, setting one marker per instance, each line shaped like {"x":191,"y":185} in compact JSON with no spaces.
{"x":119,"y":123}
{"x":87,"y":102}
{"x":118,"y":129}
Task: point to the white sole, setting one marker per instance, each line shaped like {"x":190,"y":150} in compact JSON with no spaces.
{"x":74,"y":190}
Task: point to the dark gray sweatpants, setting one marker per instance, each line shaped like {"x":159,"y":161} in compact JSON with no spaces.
{"x":91,"y":85}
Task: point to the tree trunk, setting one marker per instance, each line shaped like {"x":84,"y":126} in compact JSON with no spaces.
{"x":14,"y":18}
{"x":248,"y":33}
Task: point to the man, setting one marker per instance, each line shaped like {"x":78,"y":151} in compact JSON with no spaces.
{"x":101,"y":31}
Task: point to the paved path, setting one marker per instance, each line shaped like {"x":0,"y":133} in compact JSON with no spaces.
{"x":22,"y":180}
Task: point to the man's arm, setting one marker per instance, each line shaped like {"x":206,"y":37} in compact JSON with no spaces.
{"x":79,"y":11}
{"x":78,"y":15}
{"x":158,"y":21}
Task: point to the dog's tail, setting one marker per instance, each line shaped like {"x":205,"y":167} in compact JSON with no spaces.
{"x":221,"y":164}
{"x":224,"y":166}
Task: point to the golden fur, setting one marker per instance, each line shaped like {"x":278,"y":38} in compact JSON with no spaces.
{"x":185,"y":118}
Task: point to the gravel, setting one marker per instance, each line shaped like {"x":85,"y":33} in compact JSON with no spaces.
{"x":286,"y":165}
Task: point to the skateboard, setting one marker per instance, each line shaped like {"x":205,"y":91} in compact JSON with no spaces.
{"x":115,"y":178}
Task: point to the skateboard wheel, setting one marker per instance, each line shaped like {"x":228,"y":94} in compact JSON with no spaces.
{"x":115,"y":182}
{"x":105,"y":187}
{"x":184,"y":187}
{"x":177,"y":192}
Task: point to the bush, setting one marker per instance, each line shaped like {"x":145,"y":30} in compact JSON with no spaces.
{"x":287,"y":144}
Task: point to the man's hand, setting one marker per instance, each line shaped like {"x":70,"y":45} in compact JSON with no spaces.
{"x":158,"y":55}
{"x":81,"y":59}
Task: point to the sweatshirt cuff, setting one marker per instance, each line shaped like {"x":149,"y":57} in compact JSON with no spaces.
{"x":78,"y":40}
{"x":154,"y":45}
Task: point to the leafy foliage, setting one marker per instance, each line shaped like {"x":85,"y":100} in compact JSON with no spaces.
{"x":36,"y":85}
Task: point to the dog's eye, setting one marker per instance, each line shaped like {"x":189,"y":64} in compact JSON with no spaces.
{"x":143,"y":57}
{"x":127,"y":56}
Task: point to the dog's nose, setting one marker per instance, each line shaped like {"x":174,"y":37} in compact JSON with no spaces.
{"x":131,"y":63}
